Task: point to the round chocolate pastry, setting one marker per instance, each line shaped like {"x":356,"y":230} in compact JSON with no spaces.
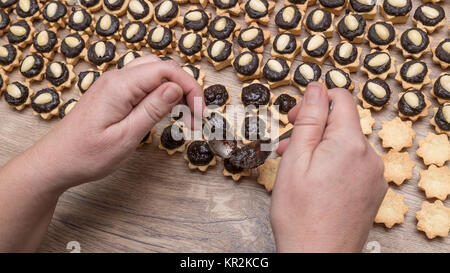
{"x":18,"y":32}
{"x":67,"y":107}
{"x":397,"y":7}
{"x":376,"y":92}
{"x":285,"y":103}
{"x":32,"y":65}
{"x":306,"y":73}
{"x":72,"y":45}
{"x":288,"y":17}
{"x":251,"y":38}
{"x":138,"y":9}
{"x":351,"y":26}
{"x":166,"y":11}
{"x":134,"y":32}
{"x":189,"y":68}
{"x":216,"y":124}
{"x":225,"y":4}
{"x":429,"y":14}
{"x":89,"y":3}
{"x":442,"y":117}
{"x":414,"y":40}
{"x":442,"y":51}
{"x":246,"y":63}
{"x":276,"y":69}
{"x":337,"y":78}
{"x":4,"y":20}
{"x":230,"y":167}
{"x":45,"y":41}
{"x":86,"y":79}
{"x":221,"y":27}
{"x":381,"y":33}
{"x":377,"y":62}
{"x":256,"y":94}
{"x":45,"y":100}
{"x":345,"y":53}
{"x":284,"y":43}
{"x":220,"y":50}
{"x":128,"y":57}
{"x":411,"y":103}
{"x":79,"y":20}
{"x":362,"y":5}
{"x":57,"y":73}
{"x":256,"y":9}
{"x":216,"y":95}
{"x":168,"y":141}
{"x":332,"y":3}
{"x":54,"y":11}
{"x":8,"y":54}
{"x":318,"y":20}
{"x":316,"y":45}
{"x":4,"y":4}
{"x":254,"y":128}
{"x":414,"y":71}
{"x":441,"y":87}
{"x":190,"y":43}
{"x":27,"y":8}
{"x":199,"y":153}
{"x":114,"y":5}
{"x":16,"y":94}
{"x":107,"y":25}
{"x":101,"y":52}
{"x":159,"y":37}
{"x":195,"y":20}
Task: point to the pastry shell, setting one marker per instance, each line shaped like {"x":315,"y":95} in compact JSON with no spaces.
{"x":423,"y":113}
{"x":351,"y":67}
{"x":436,"y":128}
{"x":263,"y":20}
{"x":384,"y":75}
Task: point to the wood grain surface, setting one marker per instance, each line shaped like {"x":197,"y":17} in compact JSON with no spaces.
{"x":154,"y":203}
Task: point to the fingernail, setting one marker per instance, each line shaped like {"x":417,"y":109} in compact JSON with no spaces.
{"x":312,"y":93}
{"x":172,"y":94}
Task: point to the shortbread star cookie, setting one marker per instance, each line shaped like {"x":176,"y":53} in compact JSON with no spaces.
{"x":398,"y":167}
{"x":414,"y":43}
{"x":375,"y":94}
{"x":233,"y":171}
{"x":267,"y":173}
{"x":173,"y":143}
{"x":433,"y":219}
{"x":434,"y":149}
{"x":392,"y":210}
{"x":17,"y":95}
{"x":397,"y":134}
{"x":412,"y":104}
{"x":46,"y":103}
{"x":366,"y":120}
{"x":339,"y":78}
{"x":435,"y":182}
{"x":441,"y":119}
{"x":199,"y":155}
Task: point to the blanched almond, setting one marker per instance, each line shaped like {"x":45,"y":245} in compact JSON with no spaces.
{"x":27,"y":63}
{"x":132,"y":30}
{"x":275,"y":66}
{"x":249,"y":34}
{"x":306,"y":71}
{"x":194,"y":16}
{"x":165,"y":7}
{"x":158,"y":34}
{"x":382,"y":31}
{"x":100,"y":49}
{"x":315,"y":42}
{"x":14,"y":91}
{"x":87,"y":80}
{"x":105,"y":22}
{"x":338,"y":78}
{"x":430,"y":12}
{"x":288,"y":14}
{"x":51,"y":9}
{"x":56,"y":69}
{"x":379,"y":60}
{"x":42,"y":38}
{"x":415,"y":37}
{"x":376,"y":89}
{"x":245,"y":59}
{"x":317,"y":17}
{"x":43,"y":98}
{"x":18,"y":30}
{"x":414,"y":69}
{"x":189,"y":40}
{"x":345,"y":50}
{"x":257,"y":5}
{"x":282,"y":42}
{"x":136,"y":7}
{"x":217,"y":48}
{"x":411,"y":99}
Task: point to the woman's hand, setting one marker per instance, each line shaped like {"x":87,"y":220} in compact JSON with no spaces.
{"x":330,"y":181}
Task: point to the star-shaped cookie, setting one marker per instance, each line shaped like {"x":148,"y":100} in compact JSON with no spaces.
{"x":267,"y":173}
{"x":434,"y":149}
{"x":435,"y":182}
{"x":366,"y":120}
{"x":392,"y":210}
{"x":433,"y":219}
{"x":397,"y":134}
{"x":398,"y":167}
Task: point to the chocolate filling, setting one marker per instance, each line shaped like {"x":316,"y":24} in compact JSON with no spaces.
{"x":53,"y":79}
{"x":13,"y":39}
{"x":254,"y":14}
{"x":409,"y":110}
{"x":332,"y":3}
{"x":47,"y":107}
{"x":145,"y":12}
{"x":374,"y":38}
{"x":279,"y":21}
{"x":120,"y":63}
{"x":83,"y":74}
{"x":254,"y":128}
{"x":351,"y":34}
{"x":37,"y":67}
{"x":72,"y":52}
{"x":113,"y":28}
{"x":216,"y":94}
{"x":376,"y":69}
{"x":221,"y":5}
{"x":170,"y":15}
{"x":439,"y":90}
{"x":107,"y":57}
{"x":297,"y":2}
{"x":89,"y":3}
{"x":274,"y":76}
{"x":285,"y":103}
{"x":7,"y":3}
{"x":214,"y":125}
{"x":167,"y":140}
{"x":230,"y":25}
{"x":12,"y":53}
{"x":116,"y":5}
{"x":5,"y":20}
{"x":61,"y":10}
{"x":371,"y":99}
{"x":196,"y":25}
{"x":87,"y":20}
{"x":409,"y":46}
{"x":140,"y":34}
{"x":248,"y":69}
{"x":49,"y":46}
{"x":329,"y":82}
{"x":252,"y":44}
{"x":255,"y":94}
{"x":230,"y":167}
{"x":416,"y":78}
{"x":165,"y":41}
{"x":301,"y":80}
{"x":360,"y":7}
{"x":323,"y":25}
{"x":440,"y":52}
{"x":224,"y":54}
{"x":440,"y":120}
{"x":24,"y":93}
{"x":318,"y":52}
{"x":62,"y":111}
{"x":290,"y":47}
{"x":195,"y":70}
{"x":192,"y":50}
{"x":199,"y":153}
{"x":165,"y":58}
{"x":396,"y":11}
{"x":344,"y":61}
{"x":34,"y":7}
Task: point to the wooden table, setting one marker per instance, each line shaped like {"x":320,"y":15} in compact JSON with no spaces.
{"x":154,"y":203}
